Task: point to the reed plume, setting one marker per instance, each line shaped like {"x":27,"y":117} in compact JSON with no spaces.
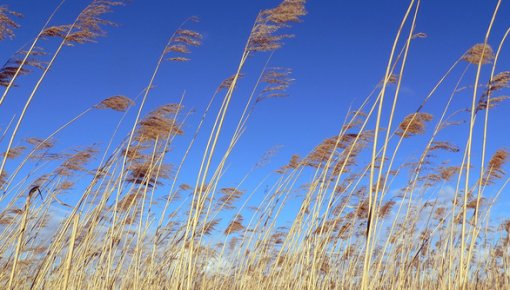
{"x":404,"y":215}
{"x":116,"y":103}
{"x":21,"y":63}
{"x":479,"y":53}
{"x":265,"y":35}
{"x":181,"y":42}
{"x":7,"y":24}
{"x":413,"y":124}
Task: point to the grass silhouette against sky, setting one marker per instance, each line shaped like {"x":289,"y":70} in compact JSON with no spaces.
{"x":337,"y":56}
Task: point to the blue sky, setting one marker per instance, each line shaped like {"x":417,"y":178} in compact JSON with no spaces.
{"x":339,"y":54}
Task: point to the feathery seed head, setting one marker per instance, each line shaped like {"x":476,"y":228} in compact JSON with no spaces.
{"x":7,"y":25}
{"x":160,"y":123}
{"x":413,"y":124}
{"x":181,"y":42}
{"x":15,"y":152}
{"x":89,"y":24}
{"x":479,"y":53}
{"x":116,"y":103}
{"x":264,"y":36}
{"x":40,"y":144}
{"x":14,"y":66}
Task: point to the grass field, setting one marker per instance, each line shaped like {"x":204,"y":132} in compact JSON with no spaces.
{"x":364,"y":213}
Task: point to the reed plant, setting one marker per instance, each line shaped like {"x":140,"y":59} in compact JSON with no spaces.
{"x":368,"y":215}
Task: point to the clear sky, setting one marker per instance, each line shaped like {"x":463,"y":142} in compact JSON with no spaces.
{"x":338,"y":55}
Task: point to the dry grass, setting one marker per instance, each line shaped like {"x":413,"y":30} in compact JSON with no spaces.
{"x":364,"y":213}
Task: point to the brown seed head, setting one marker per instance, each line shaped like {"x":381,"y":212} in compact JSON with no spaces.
{"x":288,"y":11}
{"x":264,"y":36}
{"x":56,"y":31}
{"x":147,"y":173}
{"x":495,"y":170}
{"x":229,"y":196}
{"x":385,"y":210}
{"x":15,"y":152}
{"x":181,"y":42}
{"x":129,"y":201}
{"x":40,"y":144}
{"x":499,"y":81}
{"x":443,"y":145}
{"x":116,"y":103}
{"x":447,"y":172}
{"x":7,"y":25}
{"x":479,"y":53}
{"x":14,"y":66}
{"x":76,"y":162}
{"x":89,"y":24}
{"x":235,"y":225}
{"x":277,"y":81}
{"x":210,"y":226}
{"x":414,"y":124}
{"x":160,"y":123}
{"x":498,"y":159}
{"x":227,"y":83}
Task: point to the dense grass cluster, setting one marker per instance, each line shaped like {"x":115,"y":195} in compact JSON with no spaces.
{"x":368,"y":216}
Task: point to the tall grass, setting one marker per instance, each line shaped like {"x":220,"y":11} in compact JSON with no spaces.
{"x":369,"y":215}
